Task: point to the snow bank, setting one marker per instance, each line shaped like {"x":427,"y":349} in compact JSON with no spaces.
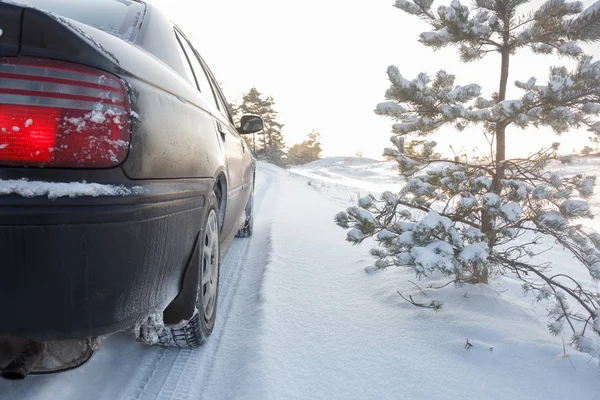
{"x":365,"y":342}
{"x":364,"y":175}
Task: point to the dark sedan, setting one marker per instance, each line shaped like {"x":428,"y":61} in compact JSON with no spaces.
{"x":122,"y":179}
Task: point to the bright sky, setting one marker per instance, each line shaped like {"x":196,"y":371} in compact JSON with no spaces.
{"x":324,"y":62}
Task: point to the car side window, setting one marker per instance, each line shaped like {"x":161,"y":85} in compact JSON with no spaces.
{"x":199,"y":73}
{"x":223,"y":106}
{"x":225,"y":109}
{"x":222,"y":103}
{"x":189,"y":74}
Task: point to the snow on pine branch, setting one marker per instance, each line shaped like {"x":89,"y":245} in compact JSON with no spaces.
{"x":554,"y":28}
{"x":586,"y":26}
{"x":423,"y":104}
{"x":455,"y":24}
{"x":569,"y":99}
{"x":434,"y":224}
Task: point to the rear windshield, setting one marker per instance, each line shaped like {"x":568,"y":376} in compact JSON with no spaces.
{"x":121,"y":18}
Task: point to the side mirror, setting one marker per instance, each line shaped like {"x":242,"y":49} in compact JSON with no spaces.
{"x":250,"y":124}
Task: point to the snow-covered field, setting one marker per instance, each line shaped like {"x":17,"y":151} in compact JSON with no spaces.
{"x":300,"y":319}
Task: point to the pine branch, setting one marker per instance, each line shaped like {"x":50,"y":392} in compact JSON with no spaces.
{"x":433,"y":305}
{"x":512,"y":264}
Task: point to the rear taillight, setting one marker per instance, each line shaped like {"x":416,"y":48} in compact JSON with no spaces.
{"x":58,"y":114}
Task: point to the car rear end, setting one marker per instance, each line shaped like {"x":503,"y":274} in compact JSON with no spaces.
{"x":85,"y":249}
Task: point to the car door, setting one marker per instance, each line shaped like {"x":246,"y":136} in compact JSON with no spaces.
{"x":247,"y":167}
{"x":237,"y":149}
{"x":230,"y":140}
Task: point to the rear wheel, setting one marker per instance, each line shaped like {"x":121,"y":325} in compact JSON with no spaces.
{"x":194,"y":332}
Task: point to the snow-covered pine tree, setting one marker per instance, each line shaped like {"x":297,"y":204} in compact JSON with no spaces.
{"x":271,"y":147}
{"x":472,"y":219}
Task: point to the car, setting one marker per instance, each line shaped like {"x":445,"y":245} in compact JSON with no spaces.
{"x":123,"y":180}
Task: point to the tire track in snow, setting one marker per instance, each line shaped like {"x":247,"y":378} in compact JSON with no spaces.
{"x":185,"y":366}
{"x":236,"y":370}
{"x":151,"y":365}
{"x":191,"y":365}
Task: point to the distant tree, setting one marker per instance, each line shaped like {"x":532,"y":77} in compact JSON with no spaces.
{"x":271,"y":147}
{"x":235,"y":110}
{"x":307,"y":151}
{"x":466,"y":219}
{"x":249,"y":139}
{"x":589,"y":150}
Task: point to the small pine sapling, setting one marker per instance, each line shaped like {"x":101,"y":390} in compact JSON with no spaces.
{"x":470,"y":219}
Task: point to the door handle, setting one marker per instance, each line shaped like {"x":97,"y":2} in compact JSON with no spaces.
{"x":221,"y":129}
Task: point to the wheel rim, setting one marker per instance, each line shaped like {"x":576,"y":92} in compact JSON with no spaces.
{"x":210,"y":266}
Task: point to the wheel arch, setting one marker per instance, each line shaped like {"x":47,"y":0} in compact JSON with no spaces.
{"x":221,"y":190}
{"x":182,"y":307}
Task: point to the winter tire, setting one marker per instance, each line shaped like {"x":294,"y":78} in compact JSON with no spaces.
{"x":194,"y":332}
{"x":246,"y":230}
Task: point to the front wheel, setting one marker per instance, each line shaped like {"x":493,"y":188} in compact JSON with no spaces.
{"x":194,"y":332}
{"x":246,"y":230}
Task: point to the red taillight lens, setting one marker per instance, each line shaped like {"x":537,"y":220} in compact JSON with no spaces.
{"x":57,"y":114}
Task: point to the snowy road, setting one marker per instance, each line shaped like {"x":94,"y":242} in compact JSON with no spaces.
{"x":299,"y":319}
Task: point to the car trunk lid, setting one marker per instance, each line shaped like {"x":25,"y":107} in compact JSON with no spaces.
{"x":31,"y":32}
{"x":11,"y":17}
